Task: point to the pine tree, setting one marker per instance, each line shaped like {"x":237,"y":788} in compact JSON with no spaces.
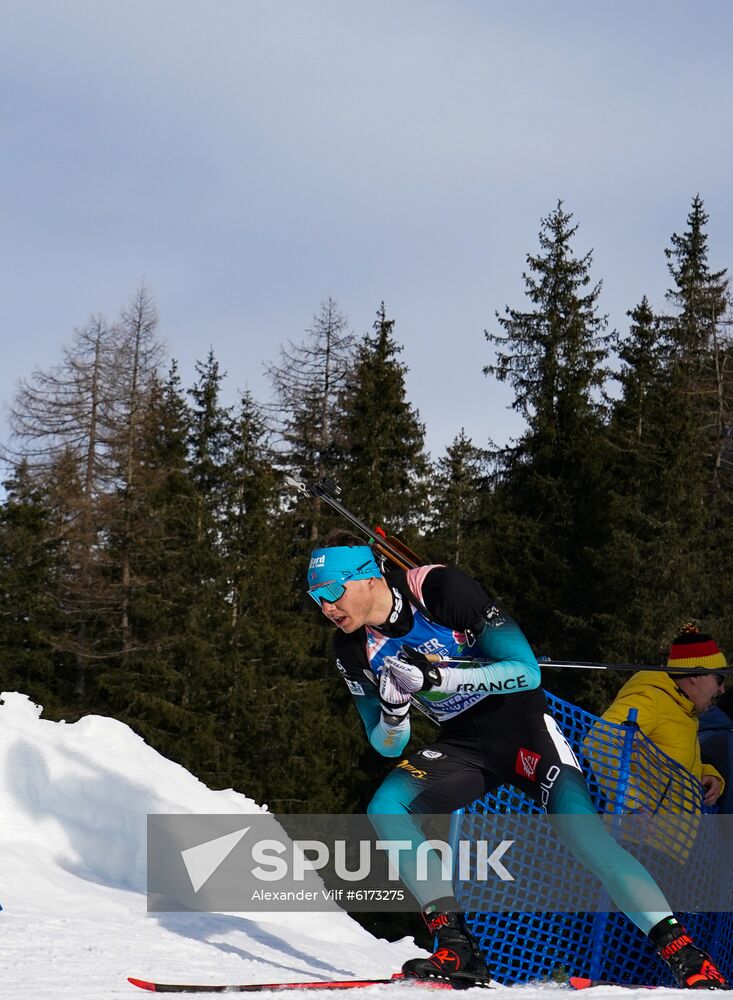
{"x":699,"y":294}
{"x":549,"y":508}
{"x":460,"y":491}
{"x":27,"y":614}
{"x":307,"y":381}
{"x":384,"y":460}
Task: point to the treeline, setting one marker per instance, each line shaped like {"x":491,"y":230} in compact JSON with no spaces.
{"x":152,"y":559}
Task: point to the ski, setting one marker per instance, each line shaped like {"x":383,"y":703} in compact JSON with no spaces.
{"x":343,"y":984}
{"x":581,"y":983}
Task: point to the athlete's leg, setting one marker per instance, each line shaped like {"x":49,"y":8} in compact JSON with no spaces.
{"x":626,"y":880}
{"x":431,"y":781}
{"x":546,"y":769}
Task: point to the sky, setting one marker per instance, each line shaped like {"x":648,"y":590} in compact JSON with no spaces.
{"x":250,"y":158}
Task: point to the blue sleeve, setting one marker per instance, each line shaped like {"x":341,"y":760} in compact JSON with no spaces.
{"x":513,"y":665}
{"x":388,"y":740}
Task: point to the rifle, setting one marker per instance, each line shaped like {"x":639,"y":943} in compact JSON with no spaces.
{"x":389,"y":546}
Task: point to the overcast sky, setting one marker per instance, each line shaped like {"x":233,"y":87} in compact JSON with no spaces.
{"x":249,"y":158}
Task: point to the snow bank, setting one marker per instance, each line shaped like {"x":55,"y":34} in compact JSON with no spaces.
{"x":77,"y":796}
{"x":74,"y":800}
{"x":73,"y":806}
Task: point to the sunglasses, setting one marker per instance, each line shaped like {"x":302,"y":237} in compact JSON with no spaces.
{"x":330,"y":592}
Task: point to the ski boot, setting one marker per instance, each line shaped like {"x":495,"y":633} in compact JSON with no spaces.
{"x":692,"y":968}
{"x":456,"y":958}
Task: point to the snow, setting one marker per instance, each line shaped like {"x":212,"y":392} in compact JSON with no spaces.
{"x":73,"y":805}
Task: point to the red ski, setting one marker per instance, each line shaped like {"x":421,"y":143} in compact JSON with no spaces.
{"x":581,"y":983}
{"x":342,"y":984}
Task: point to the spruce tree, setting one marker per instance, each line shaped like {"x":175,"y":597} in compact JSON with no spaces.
{"x":27,"y":613}
{"x":550,"y":505}
{"x":281,"y":698}
{"x":698,"y":294}
{"x":459,"y":493}
{"x":700,"y":368}
{"x":651,"y":532}
{"x":307,"y":380}
{"x":265,"y":582}
{"x":385,"y":465}
{"x":163,"y":686}
{"x":665,"y":559}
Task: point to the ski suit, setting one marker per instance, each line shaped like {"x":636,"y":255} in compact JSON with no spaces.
{"x":495,"y":728}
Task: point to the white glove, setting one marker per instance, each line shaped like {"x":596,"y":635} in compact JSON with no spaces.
{"x":412,"y":670}
{"x":395,"y":701}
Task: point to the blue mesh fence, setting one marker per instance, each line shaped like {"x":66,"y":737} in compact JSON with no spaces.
{"x":626,"y":773}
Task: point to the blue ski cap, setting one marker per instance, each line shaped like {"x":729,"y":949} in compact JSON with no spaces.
{"x":333,"y":567}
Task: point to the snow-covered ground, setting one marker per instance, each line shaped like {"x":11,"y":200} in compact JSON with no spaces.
{"x":73,"y":806}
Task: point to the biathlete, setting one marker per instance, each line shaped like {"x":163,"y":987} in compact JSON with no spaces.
{"x":495,"y":728}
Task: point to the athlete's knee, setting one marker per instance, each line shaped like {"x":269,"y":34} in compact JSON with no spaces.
{"x":388,"y":800}
{"x":568,"y":793}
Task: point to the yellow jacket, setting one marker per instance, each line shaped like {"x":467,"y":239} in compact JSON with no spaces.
{"x":665,"y":715}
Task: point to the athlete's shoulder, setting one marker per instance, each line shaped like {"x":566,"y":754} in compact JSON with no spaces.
{"x":453,"y":597}
{"x":445,"y":576}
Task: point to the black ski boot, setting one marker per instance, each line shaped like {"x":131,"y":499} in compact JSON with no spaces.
{"x":456,"y":957}
{"x":692,"y":968}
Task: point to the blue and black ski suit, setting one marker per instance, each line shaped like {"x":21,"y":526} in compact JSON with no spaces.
{"x":495,"y":728}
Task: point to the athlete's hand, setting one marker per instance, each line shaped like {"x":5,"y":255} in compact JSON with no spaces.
{"x":413,"y":671}
{"x":395,"y":701}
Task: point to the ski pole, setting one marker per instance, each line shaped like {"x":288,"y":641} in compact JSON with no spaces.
{"x":546,"y":661}
{"x":631,"y":667}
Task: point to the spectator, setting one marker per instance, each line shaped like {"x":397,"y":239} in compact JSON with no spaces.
{"x":669,"y":704}
{"x":716,"y":742}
